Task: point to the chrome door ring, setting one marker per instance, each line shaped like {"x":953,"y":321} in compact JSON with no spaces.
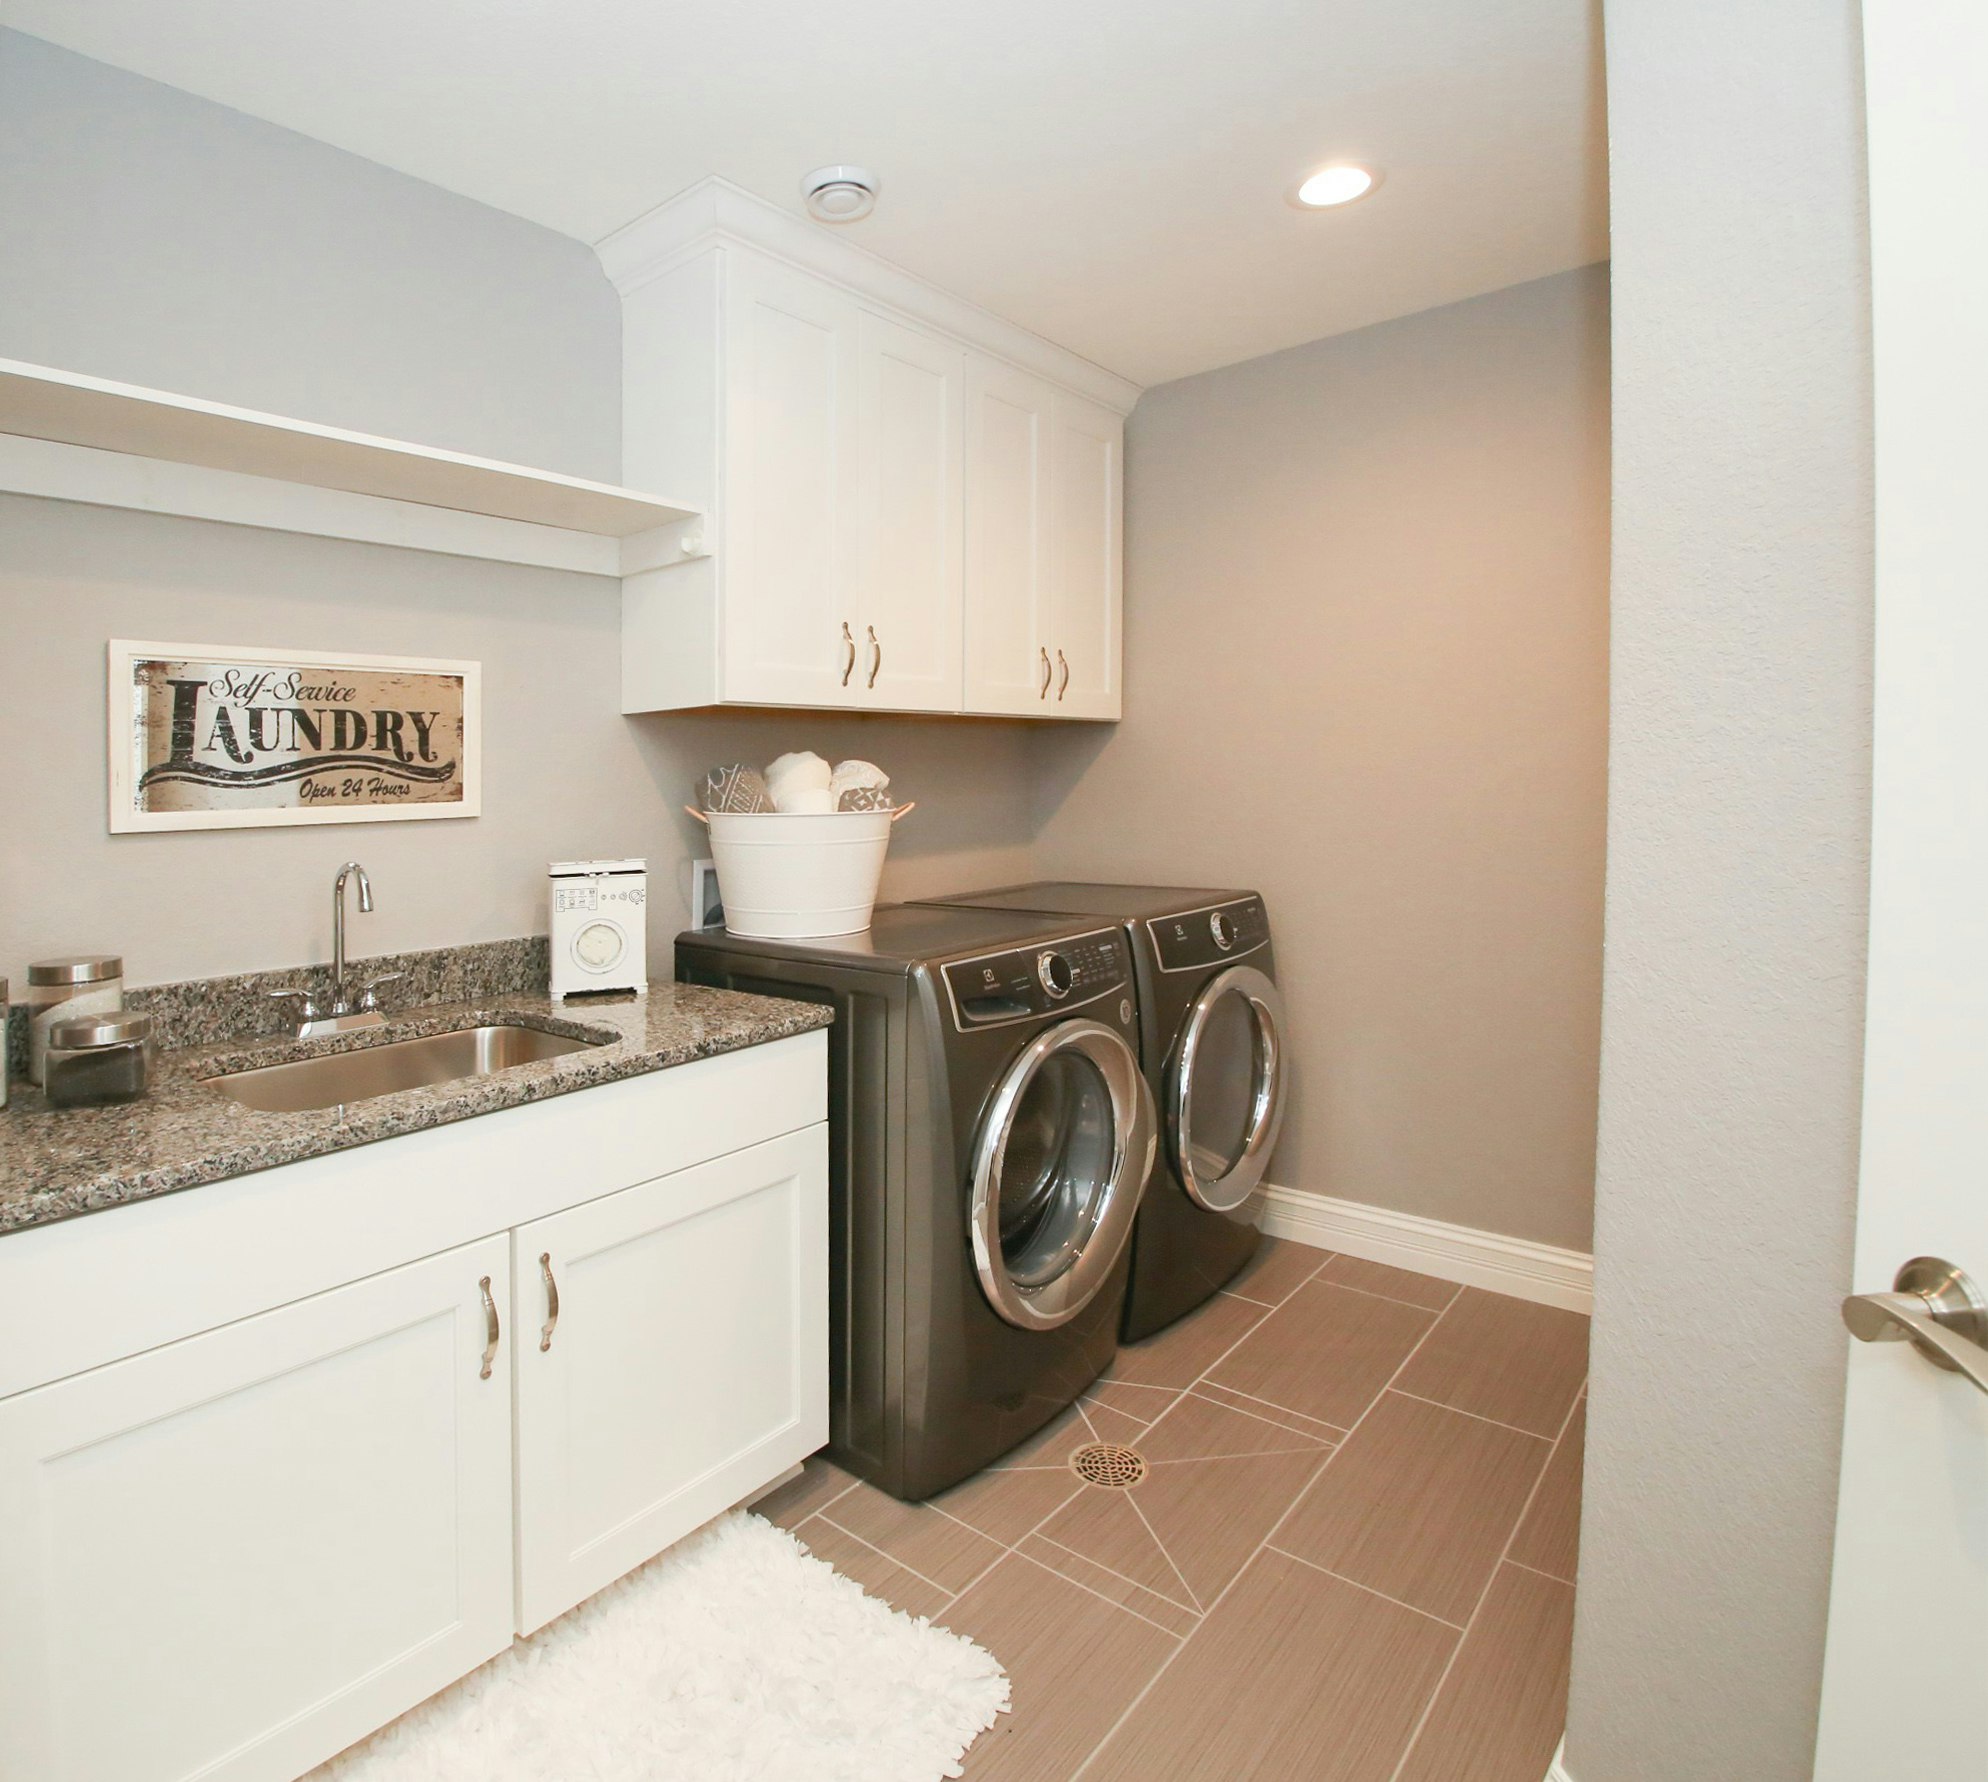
{"x":1134,"y":1140}
{"x":1227,"y":1192}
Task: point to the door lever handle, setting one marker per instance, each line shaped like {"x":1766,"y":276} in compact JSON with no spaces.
{"x":1936,"y":1307}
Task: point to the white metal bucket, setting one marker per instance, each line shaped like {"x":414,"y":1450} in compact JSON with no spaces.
{"x":786,"y":875}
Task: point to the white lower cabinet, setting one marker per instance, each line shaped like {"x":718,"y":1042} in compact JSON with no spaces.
{"x":231,"y":1557}
{"x":236,"y":1552}
{"x":672,"y":1358}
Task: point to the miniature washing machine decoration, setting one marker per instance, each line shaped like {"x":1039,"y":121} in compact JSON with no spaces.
{"x":599,"y":925}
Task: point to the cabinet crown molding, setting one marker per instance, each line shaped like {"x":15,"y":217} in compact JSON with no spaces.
{"x":714,"y":210}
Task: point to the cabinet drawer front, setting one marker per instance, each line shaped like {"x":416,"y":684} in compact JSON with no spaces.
{"x":232,"y":1556}
{"x":687,"y":1365}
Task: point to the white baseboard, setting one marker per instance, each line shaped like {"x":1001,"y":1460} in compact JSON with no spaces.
{"x":1557,"y":1770}
{"x":1541,"y":1272}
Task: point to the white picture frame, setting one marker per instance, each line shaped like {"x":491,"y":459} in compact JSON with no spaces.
{"x":268,"y":798}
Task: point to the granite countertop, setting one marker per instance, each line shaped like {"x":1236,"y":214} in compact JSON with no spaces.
{"x":58,"y":1162}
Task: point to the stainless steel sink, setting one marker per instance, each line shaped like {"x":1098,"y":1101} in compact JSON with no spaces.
{"x":340,"y":1077}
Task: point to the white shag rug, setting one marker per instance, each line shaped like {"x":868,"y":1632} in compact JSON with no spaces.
{"x":734,"y":1657}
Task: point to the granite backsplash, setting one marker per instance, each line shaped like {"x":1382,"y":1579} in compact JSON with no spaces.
{"x":209,"y":1011}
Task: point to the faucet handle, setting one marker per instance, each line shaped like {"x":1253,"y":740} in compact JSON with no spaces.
{"x":307,"y":1009}
{"x":368,"y":1001}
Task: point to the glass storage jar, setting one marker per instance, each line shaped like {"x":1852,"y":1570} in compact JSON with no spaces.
{"x":98,"y":1058}
{"x":90,"y":984}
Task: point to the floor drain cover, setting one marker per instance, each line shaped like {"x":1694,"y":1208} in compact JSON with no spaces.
{"x":1108,"y":1464}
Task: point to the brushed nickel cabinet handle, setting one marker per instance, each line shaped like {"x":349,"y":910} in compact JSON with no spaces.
{"x":849,"y":667}
{"x":877,"y":659}
{"x":1042,"y":692}
{"x":1062,"y":686}
{"x":489,"y":1325}
{"x":551,"y":1303}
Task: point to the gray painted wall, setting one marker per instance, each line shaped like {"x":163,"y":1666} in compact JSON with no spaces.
{"x":1366,"y":671}
{"x":157,"y":238}
{"x":1738,"y":834}
{"x":149,"y":235}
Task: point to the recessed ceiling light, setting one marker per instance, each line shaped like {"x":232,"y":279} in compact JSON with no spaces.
{"x":1340,"y":183}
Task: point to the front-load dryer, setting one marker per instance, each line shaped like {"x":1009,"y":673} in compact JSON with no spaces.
{"x":1212,"y":1039}
{"x":990,"y":1133}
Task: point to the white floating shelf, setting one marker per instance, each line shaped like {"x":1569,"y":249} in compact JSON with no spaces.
{"x":246,"y":467}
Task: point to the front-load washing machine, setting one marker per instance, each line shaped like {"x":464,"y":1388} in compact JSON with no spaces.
{"x":990,"y":1133}
{"x":1211,"y":1037}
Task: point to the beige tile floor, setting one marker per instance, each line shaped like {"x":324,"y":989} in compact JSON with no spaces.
{"x":1349,"y":1557}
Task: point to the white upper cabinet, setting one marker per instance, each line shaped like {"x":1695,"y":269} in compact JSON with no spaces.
{"x":909,"y":523}
{"x":1086,"y":556}
{"x":1008,"y":623}
{"x":1044,"y":492}
{"x":913,"y":506}
{"x":785,"y":550}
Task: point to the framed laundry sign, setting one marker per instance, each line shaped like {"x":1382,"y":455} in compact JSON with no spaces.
{"x":207,"y":736}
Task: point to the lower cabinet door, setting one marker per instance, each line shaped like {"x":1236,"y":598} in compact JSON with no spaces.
{"x":231,"y":1557}
{"x":685,"y":1366}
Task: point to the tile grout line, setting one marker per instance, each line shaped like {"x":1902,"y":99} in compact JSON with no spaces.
{"x":880,"y":1552}
{"x":1484,"y":1595}
{"x":1434,"y":1317}
{"x":1076,"y":1485}
{"x":1537,"y":1571}
{"x":1242,"y":1571}
{"x":1172,"y":1564}
{"x":816,"y":1511}
{"x":1052,"y":1541}
{"x":1392,"y":1299}
{"x":1495,"y":1422}
{"x":1240,"y":1454}
{"x":1064,"y":1577}
{"x":1426,"y":1614}
{"x":1337,"y":1436}
{"x":1273,"y":1304}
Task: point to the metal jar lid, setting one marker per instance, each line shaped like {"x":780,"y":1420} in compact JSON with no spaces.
{"x":86,"y":1033}
{"x":85,"y":968}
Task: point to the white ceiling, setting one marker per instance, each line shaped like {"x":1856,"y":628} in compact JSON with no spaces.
{"x":1110,"y":173}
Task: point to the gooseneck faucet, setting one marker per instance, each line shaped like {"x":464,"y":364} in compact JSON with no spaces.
{"x":344,"y":1011}
{"x":340,"y":1003}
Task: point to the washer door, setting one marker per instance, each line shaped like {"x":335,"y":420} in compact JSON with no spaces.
{"x":1225,"y":1091}
{"x":1058,"y":1169}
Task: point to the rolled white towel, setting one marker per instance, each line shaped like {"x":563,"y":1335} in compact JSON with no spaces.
{"x":798,"y":772}
{"x":850,"y":776}
{"x":807,"y":801}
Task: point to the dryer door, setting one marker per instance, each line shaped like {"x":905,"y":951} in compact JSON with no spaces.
{"x":1225,"y":1088}
{"x":1058,"y":1169}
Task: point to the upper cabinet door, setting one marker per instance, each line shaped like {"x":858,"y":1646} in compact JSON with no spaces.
{"x":1087,"y":477}
{"x":1009,"y":666}
{"x":908,"y":518}
{"x":789,"y":621}
{"x":232,"y":1556}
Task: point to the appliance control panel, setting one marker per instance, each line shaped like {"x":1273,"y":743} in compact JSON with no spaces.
{"x":1196,"y":940}
{"x":1041,"y":980}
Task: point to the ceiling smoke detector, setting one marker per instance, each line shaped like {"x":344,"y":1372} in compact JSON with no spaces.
{"x":840,"y":194}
